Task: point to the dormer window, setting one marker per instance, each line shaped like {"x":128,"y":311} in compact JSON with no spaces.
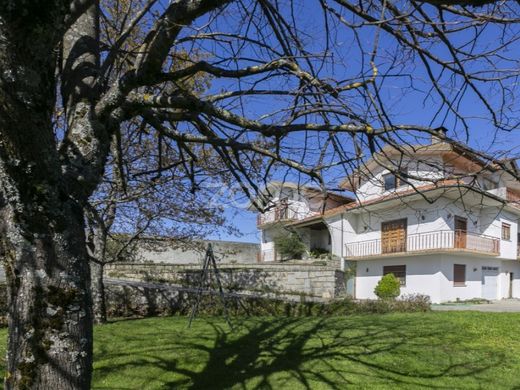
{"x":392,"y":181}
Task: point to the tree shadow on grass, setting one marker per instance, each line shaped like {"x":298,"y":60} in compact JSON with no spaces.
{"x":303,"y":353}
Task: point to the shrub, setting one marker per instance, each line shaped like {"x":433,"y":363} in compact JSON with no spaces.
{"x":413,"y":303}
{"x":137,"y":302}
{"x":388,"y":287}
{"x":290,"y":246}
{"x":318,"y":253}
{"x":406,"y":304}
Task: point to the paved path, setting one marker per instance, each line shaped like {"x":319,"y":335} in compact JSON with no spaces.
{"x":506,"y":305}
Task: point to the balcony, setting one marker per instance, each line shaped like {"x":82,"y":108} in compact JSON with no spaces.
{"x":281,"y":213}
{"x":512,"y":196}
{"x":438,"y":241}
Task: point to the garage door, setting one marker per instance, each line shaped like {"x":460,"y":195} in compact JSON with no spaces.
{"x":489,"y":282}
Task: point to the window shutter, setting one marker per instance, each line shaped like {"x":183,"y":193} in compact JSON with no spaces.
{"x":459,"y":275}
{"x":506,"y":231}
{"x":399,"y":272}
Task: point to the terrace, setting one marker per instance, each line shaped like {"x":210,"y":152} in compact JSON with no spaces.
{"x":282,"y":213}
{"x":429,"y":242}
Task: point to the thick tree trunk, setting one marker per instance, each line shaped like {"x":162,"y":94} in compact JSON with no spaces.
{"x":50,"y":326}
{"x":41,"y":216}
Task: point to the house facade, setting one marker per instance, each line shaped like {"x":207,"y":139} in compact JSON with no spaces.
{"x":439,"y":217}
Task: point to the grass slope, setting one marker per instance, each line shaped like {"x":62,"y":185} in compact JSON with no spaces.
{"x":445,"y":350}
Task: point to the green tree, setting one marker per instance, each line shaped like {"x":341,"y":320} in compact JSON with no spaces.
{"x":388,"y":287}
{"x":290,"y":245}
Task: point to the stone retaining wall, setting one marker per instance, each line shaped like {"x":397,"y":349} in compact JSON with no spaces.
{"x":314,"y":281}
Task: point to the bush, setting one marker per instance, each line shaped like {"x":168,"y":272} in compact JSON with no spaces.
{"x":131,"y":302}
{"x":388,"y":287}
{"x":290,"y":246}
{"x":406,"y":304}
{"x":318,"y":253}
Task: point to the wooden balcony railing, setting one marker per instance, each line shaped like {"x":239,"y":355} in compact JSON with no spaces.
{"x":512,"y":196}
{"x":423,"y":242}
{"x":278,"y":214}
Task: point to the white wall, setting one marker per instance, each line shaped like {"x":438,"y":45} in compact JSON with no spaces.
{"x":491,"y":224}
{"x":432,"y":275}
{"x":429,"y":168}
{"x":423,"y":276}
{"x":423,"y":217}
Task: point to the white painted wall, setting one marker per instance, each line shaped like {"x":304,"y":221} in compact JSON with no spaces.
{"x":423,"y":217}
{"x":429,"y":168}
{"x":423,"y":276}
{"x":432,"y":275}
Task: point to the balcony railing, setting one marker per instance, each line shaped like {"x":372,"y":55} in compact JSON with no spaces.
{"x":281,"y":213}
{"x":512,"y":196}
{"x":424,"y":242}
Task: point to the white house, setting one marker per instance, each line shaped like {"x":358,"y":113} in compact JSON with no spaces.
{"x":438,"y":216}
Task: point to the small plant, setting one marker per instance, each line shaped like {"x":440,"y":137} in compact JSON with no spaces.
{"x":388,"y":287}
{"x":319,"y":253}
{"x":290,"y":246}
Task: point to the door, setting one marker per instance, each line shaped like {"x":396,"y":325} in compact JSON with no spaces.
{"x":511,"y":278}
{"x":461,"y":228}
{"x":393,"y":236}
{"x":489,"y":282}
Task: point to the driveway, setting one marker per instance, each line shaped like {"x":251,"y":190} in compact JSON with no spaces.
{"x":505,"y":305}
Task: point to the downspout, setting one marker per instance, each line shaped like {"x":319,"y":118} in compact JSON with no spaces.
{"x":342,"y":234}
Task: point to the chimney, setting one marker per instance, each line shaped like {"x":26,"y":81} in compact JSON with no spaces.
{"x":440,"y":136}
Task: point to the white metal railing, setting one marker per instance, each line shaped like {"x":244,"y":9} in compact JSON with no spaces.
{"x":441,"y":239}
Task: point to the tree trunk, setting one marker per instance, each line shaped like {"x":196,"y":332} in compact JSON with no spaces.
{"x":50,"y":325}
{"x":98,"y":293}
{"x":42,"y":233}
{"x":98,"y":243}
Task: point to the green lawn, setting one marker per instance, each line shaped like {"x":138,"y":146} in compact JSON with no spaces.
{"x":439,"y":349}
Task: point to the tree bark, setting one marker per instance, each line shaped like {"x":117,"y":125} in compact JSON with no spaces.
{"x":96,"y":270}
{"x":50,"y":326}
{"x":41,"y":218}
{"x":98,"y":293}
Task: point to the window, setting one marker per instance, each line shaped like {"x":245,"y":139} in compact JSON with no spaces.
{"x":459,"y":275}
{"x":392,"y":181}
{"x":399,"y":272}
{"x":506,"y":231}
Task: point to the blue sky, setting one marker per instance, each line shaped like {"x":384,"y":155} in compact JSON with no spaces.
{"x":405,"y":103}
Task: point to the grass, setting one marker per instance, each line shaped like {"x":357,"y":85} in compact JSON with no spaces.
{"x":440,"y":349}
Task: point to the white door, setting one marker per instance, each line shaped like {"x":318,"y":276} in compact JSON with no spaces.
{"x":489,"y":282}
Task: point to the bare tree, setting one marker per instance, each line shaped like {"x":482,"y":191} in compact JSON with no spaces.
{"x":147,"y":191}
{"x":286,"y":95}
